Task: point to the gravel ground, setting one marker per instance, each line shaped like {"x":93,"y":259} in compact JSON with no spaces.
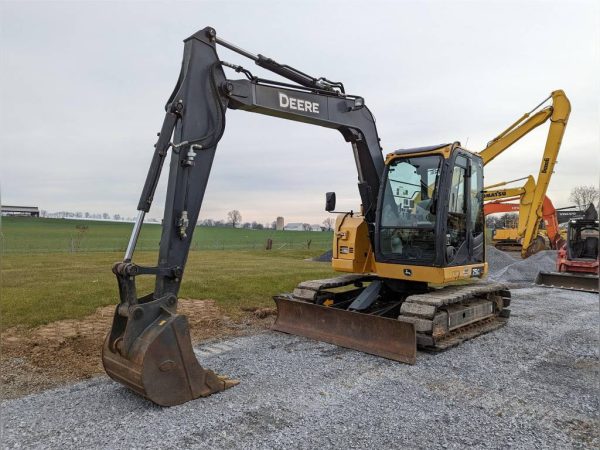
{"x":531,"y":384}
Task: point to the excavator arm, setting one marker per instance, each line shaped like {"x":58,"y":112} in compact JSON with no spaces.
{"x":499,"y":200}
{"x":196,"y":119}
{"x":532,"y":195}
{"x":149,"y":347}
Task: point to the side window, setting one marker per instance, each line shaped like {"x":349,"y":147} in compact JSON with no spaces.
{"x":476,"y":198}
{"x":457,"y":192}
{"x":456,"y":230}
{"x":476,"y":215}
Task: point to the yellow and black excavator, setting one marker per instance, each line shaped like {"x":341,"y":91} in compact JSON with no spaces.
{"x":535,"y":207}
{"x":511,"y":237}
{"x":420,"y":229}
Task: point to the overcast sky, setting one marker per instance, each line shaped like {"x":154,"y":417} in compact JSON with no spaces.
{"x":83,"y":86}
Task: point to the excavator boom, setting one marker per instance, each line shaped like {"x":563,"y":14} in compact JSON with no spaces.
{"x":533,"y":194}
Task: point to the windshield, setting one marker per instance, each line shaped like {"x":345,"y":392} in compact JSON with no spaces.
{"x":409,"y":192}
{"x":408,"y":209}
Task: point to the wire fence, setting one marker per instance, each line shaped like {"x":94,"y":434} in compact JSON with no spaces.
{"x":33,"y":235}
{"x":77,"y":245}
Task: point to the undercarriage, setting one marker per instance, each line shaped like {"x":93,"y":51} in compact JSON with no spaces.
{"x":400,"y":315}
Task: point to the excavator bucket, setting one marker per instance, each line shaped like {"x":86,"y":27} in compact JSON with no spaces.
{"x":572,"y":281}
{"x":160,"y":363}
{"x":389,"y":338}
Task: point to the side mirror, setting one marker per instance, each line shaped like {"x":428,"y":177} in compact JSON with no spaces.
{"x":330,"y":201}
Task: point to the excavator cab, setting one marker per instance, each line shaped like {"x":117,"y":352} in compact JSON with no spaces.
{"x":582,"y":240}
{"x":429,"y":219}
{"x":431,"y":209}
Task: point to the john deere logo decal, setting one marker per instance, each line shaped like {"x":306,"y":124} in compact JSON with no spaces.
{"x":476,"y":272}
{"x":408,"y":272}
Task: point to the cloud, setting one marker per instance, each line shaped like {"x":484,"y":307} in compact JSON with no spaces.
{"x":83,"y":87}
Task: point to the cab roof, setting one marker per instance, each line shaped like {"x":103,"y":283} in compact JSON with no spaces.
{"x":429,"y":148}
{"x":445,"y":149}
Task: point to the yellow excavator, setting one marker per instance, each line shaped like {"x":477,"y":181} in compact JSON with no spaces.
{"x":534,"y":206}
{"x":511,"y":236}
{"x":419,"y":231}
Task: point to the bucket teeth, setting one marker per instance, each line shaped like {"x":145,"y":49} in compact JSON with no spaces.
{"x":228,"y":382}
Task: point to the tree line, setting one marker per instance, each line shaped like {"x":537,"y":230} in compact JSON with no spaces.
{"x":234,"y":220}
{"x":581,"y":196}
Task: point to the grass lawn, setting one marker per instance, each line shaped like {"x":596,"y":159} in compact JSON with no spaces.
{"x":56,"y":269}
{"x":41,"y":288}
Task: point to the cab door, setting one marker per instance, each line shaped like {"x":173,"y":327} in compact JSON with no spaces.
{"x":476,"y":225}
{"x":464,"y":234}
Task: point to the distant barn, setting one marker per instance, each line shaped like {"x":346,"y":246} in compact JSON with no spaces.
{"x":294,"y":227}
{"x":29,"y":211}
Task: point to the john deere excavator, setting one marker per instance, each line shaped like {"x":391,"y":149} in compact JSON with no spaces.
{"x":420,"y":229}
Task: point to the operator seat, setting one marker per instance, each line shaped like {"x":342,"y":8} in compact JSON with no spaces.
{"x":590,"y":248}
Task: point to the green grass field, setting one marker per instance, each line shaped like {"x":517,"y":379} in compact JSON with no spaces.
{"x":38,"y":235}
{"x":43,"y":282}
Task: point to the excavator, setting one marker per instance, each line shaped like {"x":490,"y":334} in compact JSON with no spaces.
{"x":534,"y":208}
{"x":549,"y":235}
{"x":413,"y":257}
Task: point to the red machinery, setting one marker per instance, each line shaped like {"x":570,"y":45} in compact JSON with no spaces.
{"x":577,"y":260}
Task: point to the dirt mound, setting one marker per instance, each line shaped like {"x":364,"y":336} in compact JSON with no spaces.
{"x":67,"y":350}
{"x":95,"y":326}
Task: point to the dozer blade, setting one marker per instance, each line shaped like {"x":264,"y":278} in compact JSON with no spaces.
{"x":565,"y":280}
{"x":389,"y":338}
{"x":160,"y":363}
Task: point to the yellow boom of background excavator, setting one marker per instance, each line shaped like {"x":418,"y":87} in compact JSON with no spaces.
{"x":533,"y":204}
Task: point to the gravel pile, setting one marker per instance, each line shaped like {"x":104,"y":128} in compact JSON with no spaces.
{"x":497,"y":259}
{"x":525,"y":270}
{"x":531,"y":384}
{"x":325,"y":257}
